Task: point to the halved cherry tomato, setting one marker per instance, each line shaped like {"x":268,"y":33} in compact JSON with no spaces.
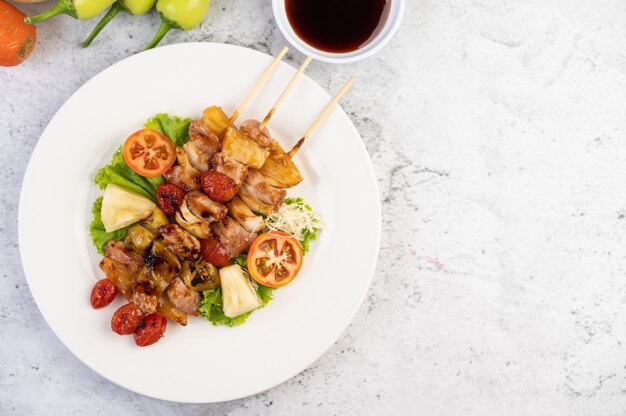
{"x":126,"y":319}
{"x":213,"y":252}
{"x":149,"y":153}
{"x":150,"y":330}
{"x":275,"y":258}
{"x":217,"y":186}
{"x":170,"y":197}
{"x":102,"y":293}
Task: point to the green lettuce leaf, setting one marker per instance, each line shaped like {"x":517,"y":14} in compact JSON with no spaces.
{"x":174,"y":127}
{"x":96,"y":229}
{"x":211,"y":306}
{"x":119,"y":173}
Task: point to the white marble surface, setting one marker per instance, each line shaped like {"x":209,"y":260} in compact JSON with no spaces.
{"x":498,"y":134}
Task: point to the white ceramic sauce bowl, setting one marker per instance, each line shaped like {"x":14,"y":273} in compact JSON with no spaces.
{"x":394,"y":18}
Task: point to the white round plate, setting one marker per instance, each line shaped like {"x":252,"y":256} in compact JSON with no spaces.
{"x":199,"y":363}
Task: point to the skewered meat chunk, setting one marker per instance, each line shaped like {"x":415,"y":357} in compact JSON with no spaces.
{"x":130,"y":259}
{"x":183,"y":174}
{"x":182,"y":298}
{"x":215,"y":119}
{"x":279,"y":170}
{"x":251,"y":128}
{"x":244,"y":216}
{"x":228,"y":166}
{"x":204,"y":207}
{"x":147,"y":302}
{"x":196,"y":226}
{"x":232,"y":236}
{"x":179,"y":241}
{"x":259,"y":195}
{"x":202,"y":144}
{"x":243,"y":149}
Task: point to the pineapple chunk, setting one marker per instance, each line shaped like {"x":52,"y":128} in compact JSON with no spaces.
{"x":238,"y":294}
{"x":121,"y":208}
{"x":214,"y":118}
{"x":243,"y":149}
{"x":279,"y":170}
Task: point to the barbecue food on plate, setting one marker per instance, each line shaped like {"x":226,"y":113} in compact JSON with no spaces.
{"x":218,"y":239}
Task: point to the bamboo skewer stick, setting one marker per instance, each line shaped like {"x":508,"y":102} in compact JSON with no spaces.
{"x":270,"y":69}
{"x":320,"y":119}
{"x":282,"y":96}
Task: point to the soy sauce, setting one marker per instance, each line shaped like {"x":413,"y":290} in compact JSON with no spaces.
{"x":337,"y":25}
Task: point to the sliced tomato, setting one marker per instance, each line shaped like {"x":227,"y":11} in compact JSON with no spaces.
{"x":149,"y":153}
{"x":275,"y":258}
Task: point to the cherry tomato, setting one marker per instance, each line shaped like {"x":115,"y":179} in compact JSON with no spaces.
{"x":170,"y":197}
{"x":150,"y":330}
{"x":275,"y":258}
{"x":213,"y":252}
{"x":149,"y":153}
{"x":218,"y":186}
{"x":126,"y":319}
{"x":102,"y":293}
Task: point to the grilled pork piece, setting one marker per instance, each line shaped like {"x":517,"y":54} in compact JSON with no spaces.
{"x":146,"y":302}
{"x":179,"y":241}
{"x":119,"y":275}
{"x":251,"y":129}
{"x":259,"y":195}
{"x":204,"y":208}
{"x":244,"y":216}
{"x":233,"y":237}
{"x":128,"y":258}
{"x":202,"y":144}
{"x":228,"y":166}
{"x":183,"y":174}
{"x":182,"y":298}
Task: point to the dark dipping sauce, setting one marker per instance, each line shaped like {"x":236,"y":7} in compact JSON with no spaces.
{"x":337,"y":25}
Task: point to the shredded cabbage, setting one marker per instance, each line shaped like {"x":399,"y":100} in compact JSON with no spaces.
{"x":296,"y":217}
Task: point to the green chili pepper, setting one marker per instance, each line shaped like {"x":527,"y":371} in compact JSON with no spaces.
{"x":134,"y":7}
{"x":78,"y":9}
{"x":178,"y":14}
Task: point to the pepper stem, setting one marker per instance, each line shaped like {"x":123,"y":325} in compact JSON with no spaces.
{"x":62,"y":7}
{"x":163,"y":29}
{"x":113,"y":11}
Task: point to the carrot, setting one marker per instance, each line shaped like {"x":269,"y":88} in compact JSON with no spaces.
{"x":17,"y":39}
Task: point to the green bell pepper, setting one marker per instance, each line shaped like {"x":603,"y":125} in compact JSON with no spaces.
{"x":178,"y":14}
{"x":78,"y":9}
{"x":134,"y":7}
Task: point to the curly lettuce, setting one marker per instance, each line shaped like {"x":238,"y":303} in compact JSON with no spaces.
{"x":212,"y":309}
{"x":174,"y":127}
{"x":119,"y":173}
{"x":96,"y":229}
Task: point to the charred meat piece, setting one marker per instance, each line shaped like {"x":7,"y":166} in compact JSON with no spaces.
{"x":228,"y":166}
{"x":259,"y":195}
{"x":202,"y":144}
{"x":232,"y":236}
{"x":251,"y":129}
{"x":182,"y":298}
{"x":244,"y":216}
{"x":119,"y":275}
{"x":196,"y":226}
{"x":130,"y":259}
{"x":204,"y":207}
{"x":162,"y":266}
{"x":183,"y":174}
{"x":147,"y":302}
{"x":179,"y":241}
{"x":168,"y":310}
